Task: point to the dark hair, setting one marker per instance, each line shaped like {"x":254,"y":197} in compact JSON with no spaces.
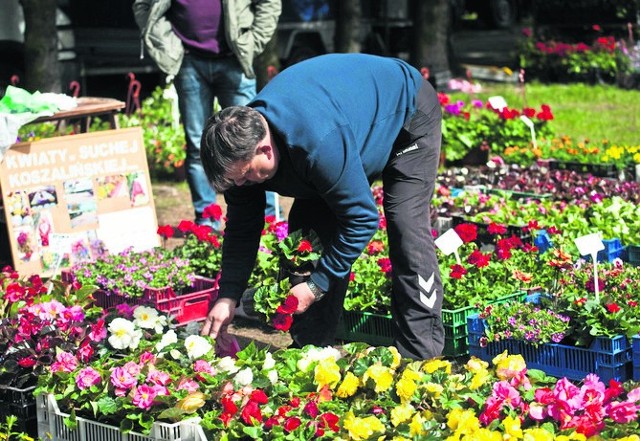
{"x":229,"y":136}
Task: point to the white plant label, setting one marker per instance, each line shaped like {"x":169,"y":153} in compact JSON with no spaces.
{"x":497,"y":102}
{"x":589,"y":245}
{"x":449,"y":242}
{"x":527,"y":122}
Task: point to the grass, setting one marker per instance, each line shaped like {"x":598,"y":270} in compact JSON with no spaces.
{"x":581,"y":111}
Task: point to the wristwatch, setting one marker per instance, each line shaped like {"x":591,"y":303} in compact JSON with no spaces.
{"x":315,"y":289}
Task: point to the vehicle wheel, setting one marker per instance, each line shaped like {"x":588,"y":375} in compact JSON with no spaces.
{"x":503,"y":13}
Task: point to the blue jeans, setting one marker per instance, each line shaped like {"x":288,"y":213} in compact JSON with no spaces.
{"x":199,"y":81}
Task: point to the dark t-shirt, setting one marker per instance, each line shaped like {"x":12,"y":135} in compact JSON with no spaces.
{"x":199,"y":24}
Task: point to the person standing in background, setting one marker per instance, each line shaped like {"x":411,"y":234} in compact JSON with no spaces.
{"x":207,"y":47}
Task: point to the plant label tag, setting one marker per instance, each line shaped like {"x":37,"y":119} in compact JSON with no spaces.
{"x":497,"y":102}
{"x":448,"y":242}
{"x":589,"y":244}
{"x":527,"y":122}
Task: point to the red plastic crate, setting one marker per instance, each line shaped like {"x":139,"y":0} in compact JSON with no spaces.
{"x":191,"y":305}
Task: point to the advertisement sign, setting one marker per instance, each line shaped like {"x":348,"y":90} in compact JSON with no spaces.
{"x":73,"y":198}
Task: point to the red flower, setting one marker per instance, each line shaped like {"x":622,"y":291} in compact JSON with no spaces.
{"x":375,"y":247}
{"x":289,"y":306}
{"x":186,"y":226}
{"x":496,"y":228}
{"x":291,"y":424}
{"x":295,"y":402}
{"x":251,"y":413}
{"x":385,"y":265}
{"x":259,"y":396}
{"x":228,"y":406}
{"x":27,"y":362}
{"x":613,"y":307}
{"x":331,"y":420}
{"x":457,"y":271}
{"x":305,"y":246}
{"x":311,"y":409}
{"x":580,"y":302}
{"x":213,"y":211}
{"x":479,"y":259}
{"x":165,"y":231}
{"x":467,"y":232}
{"x":282,"y":322}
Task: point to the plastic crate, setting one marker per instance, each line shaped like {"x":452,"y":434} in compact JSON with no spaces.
{"x":455,"y":347}
{"x":635,"y":347}
{"x":20,"y":403}
{"x":375,"y":329}
{"x":613,"y":249}
{"x":633,"y":254}
{"x":560,"y":360}
{"x":191,"y":305}
{"x":599,"y":170}
{"x":50,"y":422}
{"x":542,"y":241}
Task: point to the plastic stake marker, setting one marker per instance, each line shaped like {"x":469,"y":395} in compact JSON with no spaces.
{"x":449,"y":242}
{"x":589,"y":245}
{"x":497,"y":102}
{"x":525,"y":119}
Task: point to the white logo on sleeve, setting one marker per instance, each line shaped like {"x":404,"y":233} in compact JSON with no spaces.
{"x":426,"y":285}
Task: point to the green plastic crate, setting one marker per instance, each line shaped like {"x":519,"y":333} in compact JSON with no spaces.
{"x":455,"y":347}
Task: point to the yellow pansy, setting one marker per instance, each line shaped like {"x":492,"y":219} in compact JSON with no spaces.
{"x":434,"y":389}
{"x":512,"y":427}
{"x":462,"y":421}
{"x":475,"y":364}
{"x":381,"y":375}
{"x":537,"y":434}
{"x":507,"y":366}
{"x":416,"y":427}
{"x":401,"y":413}
{"x":575,"y":436}
{"x":405,"y":389}
{"x":349,"y":386}
{"x":479,"y":379}
{"x":483,"y":434}
{"x":397,"y":358}
{"x":433,"y":365}
{"x":362,"y":428}
{"x":327,"y":372}
{"x":400,"y":438}
{"x":410,"y":374}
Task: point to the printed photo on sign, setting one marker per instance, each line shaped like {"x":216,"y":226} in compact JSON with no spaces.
{"x":108,"y":187}
{"x":138,"y":192}
{"x":17,"y":205}
{"x":44,"y":227}
{"x":81,"y":203}
{"x":26,"y":243}
{"x":43,"y":197}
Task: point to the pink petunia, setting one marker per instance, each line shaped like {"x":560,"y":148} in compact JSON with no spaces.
{"x":87,"y":377}
{"x":65,"y":362}
{"x":121,"y":379}
{"x":144,"y":396}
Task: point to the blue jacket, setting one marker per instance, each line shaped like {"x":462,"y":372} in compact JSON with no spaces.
{"x":335,"y":118}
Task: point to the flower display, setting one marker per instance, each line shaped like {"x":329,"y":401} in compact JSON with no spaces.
{"x":129,"y":273}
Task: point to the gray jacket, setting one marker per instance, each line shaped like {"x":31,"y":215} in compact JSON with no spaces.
{"x":249,"y":25}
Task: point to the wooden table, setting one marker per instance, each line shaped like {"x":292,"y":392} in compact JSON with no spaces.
{"x":87,"y":108}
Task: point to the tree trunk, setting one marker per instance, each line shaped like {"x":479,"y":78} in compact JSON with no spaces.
{"x":42,"y":69}
{"x":431,"y":42}
{"x":348,"y":17}
{"x":267,"y":64}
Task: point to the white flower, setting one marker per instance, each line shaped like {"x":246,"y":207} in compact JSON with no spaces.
{"x":197,"y":346}
{"x":148,"y":318}
{"x":244,"y":377}
{"x":175,"y":354}
{"x":168,"y":338}
{"x":273,"y":376}
{"x":269,"y":362}
{"x":314,"y":354}
{"x":228,"y":364}
{"x":124,"y":334}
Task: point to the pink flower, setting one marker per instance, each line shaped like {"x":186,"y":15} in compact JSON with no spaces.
{"x":203,"y":366}
{"x":121,"y":379}
{"x":159,"y":377}
{"x":144,"y":396}
{"x":147,"y":357}
{"x":65,"y":362}
{"x":188,"y":385}
{"x":622,"y":412}
{"x":87,"y":377}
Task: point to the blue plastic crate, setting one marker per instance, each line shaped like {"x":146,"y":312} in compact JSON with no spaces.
{"x":558,"y":360}
{"x":543,"y":241}
{"x":613,"y":249}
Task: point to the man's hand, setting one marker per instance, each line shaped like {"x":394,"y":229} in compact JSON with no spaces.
{"x":304,"y":295}
{"x":219,"y":317}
